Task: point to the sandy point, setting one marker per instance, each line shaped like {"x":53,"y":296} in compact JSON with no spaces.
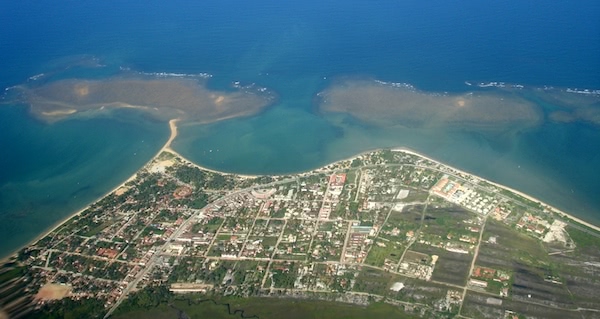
{"x":59,"y":112}
{"x":173,"y":127}
{"x":460,"y":102}
{"x":219,"y":99}
{"x":161,"y":165}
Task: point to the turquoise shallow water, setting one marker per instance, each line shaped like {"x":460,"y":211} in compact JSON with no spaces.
{"x":48,"y":171}
{"x":267,"y":144}
{"x":51,"y":171}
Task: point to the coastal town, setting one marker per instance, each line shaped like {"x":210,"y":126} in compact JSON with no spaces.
{"x":386,"y":226}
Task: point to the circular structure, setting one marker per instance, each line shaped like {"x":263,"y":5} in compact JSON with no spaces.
{"x":263,"y":193}
{"x":182,"y":192}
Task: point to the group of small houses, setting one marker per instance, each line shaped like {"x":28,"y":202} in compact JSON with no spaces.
{"x":247,"y":236}
{"x":482,"y":277}
{"x":311,"y":203}
{"x":357,"y":239}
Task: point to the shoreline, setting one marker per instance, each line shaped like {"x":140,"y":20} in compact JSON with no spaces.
{"x":174,"y":132}
{"x":165,"y":148}
{"x":526,"y":196}
{"x":174,"y":152}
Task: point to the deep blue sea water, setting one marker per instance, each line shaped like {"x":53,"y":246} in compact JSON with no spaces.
{"x":48,"y":171}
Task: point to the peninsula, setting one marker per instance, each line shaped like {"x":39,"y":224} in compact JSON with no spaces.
{"x":388,"y":228}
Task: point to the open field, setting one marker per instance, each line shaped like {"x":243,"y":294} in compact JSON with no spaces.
{"x":265,"y":308}
{"x":479,"y":305}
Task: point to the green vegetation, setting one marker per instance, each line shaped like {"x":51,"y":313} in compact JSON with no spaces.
{"x":189,"y":174}
{"x":584,"y":240}
{"x":521,"y":248}
{"x":351,"y":176}
{"x":219,"y":181}
{"x":284,"y":277}
{"x":266,"y":308}
{"x":378,"y":254}
{"x":93,"y":231}
{"x":327,"y":242}
{"x":279,"y":213}
{"x":416,"y":195}
{"x":373,"y":281}
{"x":516,"y":197}
{"x":11,"y":273}
{"x":148,"y":298}
{"x":70,"y":309}
{"x":211,"y":226}
{"x":258,"y":181}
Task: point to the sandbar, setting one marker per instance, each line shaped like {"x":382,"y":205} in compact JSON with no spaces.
{"x":161,"y":98}
{"x":387,"y":104}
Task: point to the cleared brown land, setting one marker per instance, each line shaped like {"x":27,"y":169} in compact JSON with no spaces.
{"x":53,"y":292}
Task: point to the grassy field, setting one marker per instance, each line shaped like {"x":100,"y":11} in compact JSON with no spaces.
{"x":478,"y":306}
{"x":511,"y":247}
{"x":528,"y":260}
{"x":451,"y":267}
{"x":7,"y":274}
{"x":378,"y":255}
{"x":266,"y":308}
{"x":584,"y":241}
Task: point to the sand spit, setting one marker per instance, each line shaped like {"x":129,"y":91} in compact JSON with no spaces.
{"x":392,"y":104}
{"x":162,"y":98}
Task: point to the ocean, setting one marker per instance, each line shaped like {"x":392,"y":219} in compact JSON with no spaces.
{"x":48,"y":171}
